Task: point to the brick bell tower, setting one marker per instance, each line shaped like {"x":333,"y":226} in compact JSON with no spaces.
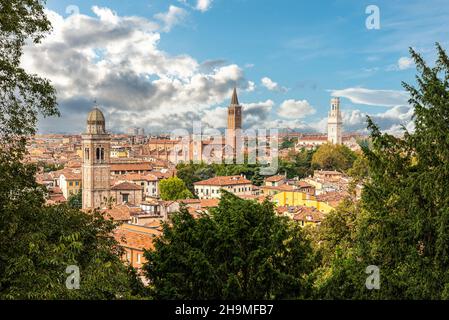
{"x":234,"y":121}
{"x":96,"y":143}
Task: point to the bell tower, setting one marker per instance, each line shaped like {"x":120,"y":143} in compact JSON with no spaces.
{"x":334,"y":123}
{"x":96,"y":144}
{"x":234,"y":122}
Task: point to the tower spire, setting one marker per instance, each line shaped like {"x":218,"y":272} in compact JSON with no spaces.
{"x":234,"y":100}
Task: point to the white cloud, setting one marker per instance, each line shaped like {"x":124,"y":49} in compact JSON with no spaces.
{"x":295,"y":109}
{"x":116,"y":60}
{"x":405,"y":63}
{"x":172,"y":17}
{"x":106,"y":14}
{"x":271,"y":85}
{"x":203,"y":5}
{"x":385,"y":98}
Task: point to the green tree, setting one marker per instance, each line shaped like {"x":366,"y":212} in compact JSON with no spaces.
{"x":405,"y":226}
{"x":174,"y":189}
{"x":333,"y":157}
{"x":39,"y":242}
{"x":75,"y":201}
{"x":194,"y":172}
{"x":242,"y":250}
{"x":297,"y":164}
{"x":339,"y":275}
{"x":287,"y":143}
{"x":53,"y":238}
{"x":403,"y":223}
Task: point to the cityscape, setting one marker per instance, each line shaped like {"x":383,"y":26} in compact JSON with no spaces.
{"x":196,"y":151}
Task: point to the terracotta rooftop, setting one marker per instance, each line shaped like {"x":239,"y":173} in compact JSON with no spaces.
{"x":275,"y":178}
{"x":209,"y":203}
{"x":136,"y":237}
{"x":126,"y":186}
{"x":121,"y":212}
{"x":190,"y":201}
{"x":223,"y":181}
{"x":72,"y":175}
{"x":282,"y":187}
{"x":146,"y":166}
{"x":313,"y":138}
{"x":139,"y":177}
{"x":308,"y":214}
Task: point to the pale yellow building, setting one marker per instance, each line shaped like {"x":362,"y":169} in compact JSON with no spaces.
{"x":70,"y":183}
{"x":294,"y":198}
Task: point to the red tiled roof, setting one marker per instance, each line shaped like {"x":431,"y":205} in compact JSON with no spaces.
{"x":126,"y":186}
{"x":308,"y":214}
{"x":121,"y":212}
{"x":146,"y":166}
{"x":209,"y":203}
{"x":136,"y":237}
{"x":223,"y":181}
{"x":275,"y":178}
{"x":312,"y":138}
{"x":138,"y":177}
{"x":282,"y":187}
{"x":190,"y":201}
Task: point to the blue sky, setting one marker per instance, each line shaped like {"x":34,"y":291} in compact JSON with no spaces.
{"x":287,"y":57}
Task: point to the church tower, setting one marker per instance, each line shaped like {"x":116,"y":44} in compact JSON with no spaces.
{"x":234,"y":121}
{"x":334,"y":123}
{"x":96,"y":169}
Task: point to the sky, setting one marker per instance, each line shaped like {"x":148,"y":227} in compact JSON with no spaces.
{"x":162,"y":65}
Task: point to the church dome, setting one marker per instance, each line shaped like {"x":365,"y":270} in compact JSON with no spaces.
{"x":96,"y":123}
{"x":95,"y":116}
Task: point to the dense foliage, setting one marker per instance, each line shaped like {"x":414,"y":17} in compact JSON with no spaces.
{"x":194,"y":172}
{"x":242,"y":250}
{"x":333,"y":157}
{"x":39,"y":242}
{"x":401,"y":224}
{"x":174,"y":189}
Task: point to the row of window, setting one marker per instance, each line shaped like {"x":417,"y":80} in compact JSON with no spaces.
{"x":206,"y":191}
{"x":99,"y":153}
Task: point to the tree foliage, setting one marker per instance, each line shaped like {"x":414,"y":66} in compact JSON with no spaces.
{"x":75,"y":201}
{"x":39,"y":242}
{"x":333,"y":157}
{"x":242,"y":250}
{"x":287,"y":143}
{"x":402,"y":223}
{"x":174,"y":189}
{"x":297,"y":164}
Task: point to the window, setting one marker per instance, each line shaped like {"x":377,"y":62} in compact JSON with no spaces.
{"x":97,"y":153}
{"x":86,"y":153}
{"x":125,"y":197}
{"x":138,"y":258}
{"x":77,"y":183}
{"x":102,"y":153}
{"x":70,"y":183}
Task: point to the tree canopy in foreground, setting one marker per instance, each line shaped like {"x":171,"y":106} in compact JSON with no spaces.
{"x":242,"y":250}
